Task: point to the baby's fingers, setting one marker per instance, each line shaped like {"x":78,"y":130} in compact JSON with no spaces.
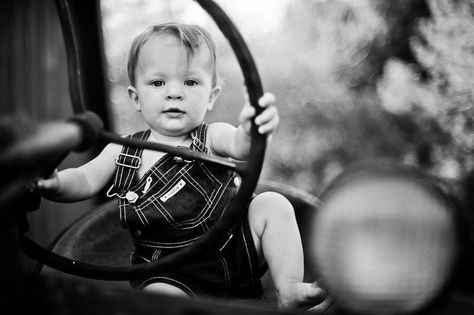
{"x":268,"y":115}
{"x":268,"y":120}
{"x":246,"y":114}
{"x":266,"y":100}
{"x":245,"y":117}
{"x":44,"y":184}
{"x":50,"y":183}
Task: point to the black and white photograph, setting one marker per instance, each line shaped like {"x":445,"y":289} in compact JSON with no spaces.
{"x":207,"y":157}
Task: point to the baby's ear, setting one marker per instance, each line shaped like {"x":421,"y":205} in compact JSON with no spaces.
{"x":215,"y":92}
{"x":133,"y":95}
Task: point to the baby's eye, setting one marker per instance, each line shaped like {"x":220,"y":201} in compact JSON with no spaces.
{"x":157,"y":83}
{"x":191,"y":82}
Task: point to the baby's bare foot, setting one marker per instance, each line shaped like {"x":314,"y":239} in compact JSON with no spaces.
{"x":303,"y":296}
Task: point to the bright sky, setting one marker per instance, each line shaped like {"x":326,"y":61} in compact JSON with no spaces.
{"x":255,"y":15}
{"x":251,"y":16}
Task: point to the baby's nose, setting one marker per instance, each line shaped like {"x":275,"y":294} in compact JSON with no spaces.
{"x":174,"y":93}
{"x":174,"y":97}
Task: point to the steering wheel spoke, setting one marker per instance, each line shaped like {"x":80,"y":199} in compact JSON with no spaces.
{"x":239,"y":167}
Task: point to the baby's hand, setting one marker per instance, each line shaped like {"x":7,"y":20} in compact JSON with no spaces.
{"x":267,"y":121}
{"x":50,"y":185}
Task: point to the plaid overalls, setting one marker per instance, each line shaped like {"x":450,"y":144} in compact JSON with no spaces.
{"x":173,"y":205}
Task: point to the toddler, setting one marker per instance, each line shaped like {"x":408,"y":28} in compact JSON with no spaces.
{"x":167,"y":202}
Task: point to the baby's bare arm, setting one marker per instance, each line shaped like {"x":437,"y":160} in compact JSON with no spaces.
{"x":75,"y":184}
{"x":226,"y":140}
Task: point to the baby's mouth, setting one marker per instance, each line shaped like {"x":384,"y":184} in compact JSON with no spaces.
{"x":173,"y":111}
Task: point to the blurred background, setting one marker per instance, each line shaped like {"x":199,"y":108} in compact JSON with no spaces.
{"x":355,"y":80}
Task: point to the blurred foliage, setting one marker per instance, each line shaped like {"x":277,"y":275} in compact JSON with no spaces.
{"x":438,"y":97}
{"x":354,"y":79}
{"x":332,"y":116}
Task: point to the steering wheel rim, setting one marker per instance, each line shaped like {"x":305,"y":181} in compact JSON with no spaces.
{"x":250,"y":172}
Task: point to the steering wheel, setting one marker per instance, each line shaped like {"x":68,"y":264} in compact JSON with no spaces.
{"x":83,"y":40}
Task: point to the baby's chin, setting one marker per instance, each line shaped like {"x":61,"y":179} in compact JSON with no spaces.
{"x":176,"y":131}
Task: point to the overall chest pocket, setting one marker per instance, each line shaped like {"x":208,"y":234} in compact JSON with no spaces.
{"x":184,"y":201}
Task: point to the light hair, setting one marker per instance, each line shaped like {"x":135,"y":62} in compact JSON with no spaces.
{"x":190,"y":36}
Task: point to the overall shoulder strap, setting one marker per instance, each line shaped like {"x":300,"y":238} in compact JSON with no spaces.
{"x":199,"y":136}
{"x":128,"y":161}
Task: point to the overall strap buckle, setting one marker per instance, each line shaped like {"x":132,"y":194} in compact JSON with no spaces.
{"x":128,"y":160}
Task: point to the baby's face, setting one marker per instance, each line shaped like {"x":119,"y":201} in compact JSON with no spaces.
{"x":172,"y":91}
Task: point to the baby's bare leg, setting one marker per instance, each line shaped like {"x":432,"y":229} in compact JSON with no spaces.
{"x":164,"y":288}
{"x":277,"y":240}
